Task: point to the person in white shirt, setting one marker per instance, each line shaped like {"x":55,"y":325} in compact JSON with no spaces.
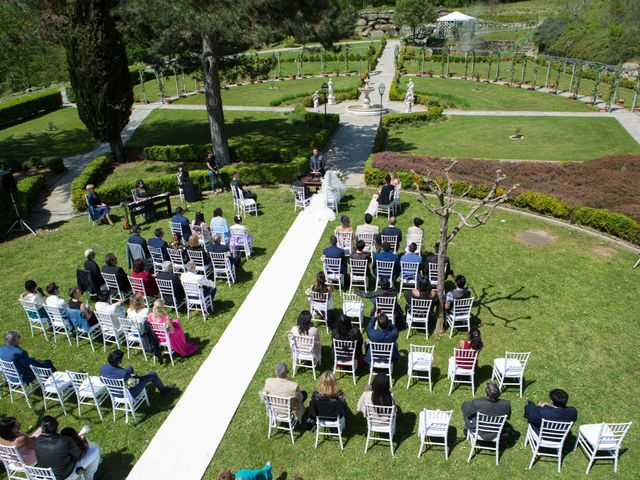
{"x":33,"y":294}
{"x":190,"y":276}
{"x":54,"y":299}
{"x":114,"y":310}
{"x":138,"y":310}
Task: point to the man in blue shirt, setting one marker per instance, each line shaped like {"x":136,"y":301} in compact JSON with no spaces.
{"x":411,"y":257}
{"x":115,"y":370}
{"x":333,"y":251}
{"x":158,"y":242}
{"x":136,"y":239}
{"x":12,"y":352}
{"x":184,"y":223}
{"x":380,"y":330}
{"x":386,"y":255}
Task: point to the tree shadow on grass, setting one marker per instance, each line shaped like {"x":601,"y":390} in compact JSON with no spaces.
{"x":486,"y":300}
{"x":115,"y":465}
{"x":223,"y":306}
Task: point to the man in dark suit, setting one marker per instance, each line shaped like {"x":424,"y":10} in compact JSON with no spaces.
{"x":298,"y":182}
{"x":490,"y":405}
{"x":386,"y":192}
{"x":218,"y":247}
{"x":432,"y":257}
{"x":557,"y":411}
{"x":317,"y":163}
{"x":178,"y":290}
{"x":137,"y":239}
{"x":185,"y":226}
{"x":386,"y":255}
{"x":111,"y":266}
{"x":333,"y":251}
{"x":158,"y":242}
{"x":237,"y":185}
{"x":380,"y":330}
{"x":393,"y":231}
{"x":114,"y":370}
{"x":12,"y":352}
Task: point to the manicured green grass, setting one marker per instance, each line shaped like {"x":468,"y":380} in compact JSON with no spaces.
{"x":468,"y":95}
{"x":505,"y":35}
{"x":58,"y":253}
{"x":540,"y":299}
{"x":269,"y":93}
{"x":152,"y":89}
{"x":176,"y":127}
{"x":546,"y":138}
{"x":33,"y":138}
{"x":146,"y":169}
{"x":542,"y":8}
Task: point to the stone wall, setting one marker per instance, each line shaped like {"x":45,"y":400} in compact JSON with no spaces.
{"x":377,"y":24}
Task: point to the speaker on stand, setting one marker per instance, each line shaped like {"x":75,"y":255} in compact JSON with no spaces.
{"x":8,"y":185}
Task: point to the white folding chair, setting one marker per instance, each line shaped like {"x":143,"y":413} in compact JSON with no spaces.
{"x":326,"y":425}
{"x":13,"y":463}
{"x":197,"y":230}
{"x":54,"y":385}
{"x":164,"y":341}
{"x":369,"y":240}
{"x":384,"y":210}
{"x":299,"y":198}
{"x":177,"y":260}
{"x":358,"y":276}
{"x":387,"y":305}
{"x":460,"y":314}
{"x":240,"y":243}
{"x":333,"y":200}
{"x":384,"y":271}
{"x":353,"y":307}
{"x":550,"y":438}
{"x":132,"y":333}
{"x":434,"y":425}
{"x":156,"y":258}
{"x":415,"y":238}
{"x":345,"y":242}
{"x":381,"y":354}
{"x":36,"y":320}
{"x":319,"y":307}
{"x":169,"y":295}
{"x":432,"y":272}
{"x":111,"y":332}
{"x":392,"y":240}
{"x":381,"y":420}
{"x":303,"y":353}
{"x":196,"y":299}
{"x":122,"y":399}
{"x":463,"y":365}
{"x":408,"y":275}
{"x":176,"y":229}
{"x":60,"y":324}
{"x":89,"y":390}
{"x":223,"y":268}
{"x":418,"y":316}
{"x":344,"y":357}
{"x":137,"y":285}
{"x":202,"y":267}
{"x":37,"y":473}
{"x":280,"y":414}
{"x":420,"y":360}
{"x":486,"y":434}
{"x":92,"y":334}
{"x":112,"y":283}
{"x":333,"y":272}
{"x":244,"y":205}
{"x":602,"y":441}
{"x":510,"y":369}
{"x":395,"y":201}
{"x":15,"y":382}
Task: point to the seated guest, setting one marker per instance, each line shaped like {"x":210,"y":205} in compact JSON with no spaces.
{"x":379,"y":393}
{"x":317,"y":163}
{"x":381,"y":330}
{"x":174,"y":330}
{"x":219,"y":226}
{"x":360,"y":254}
{"x":191,"y":276}
{"x":387,"y":255}
{"x":305,"y":328}
{"x":158,"y":242}
{"x":34,"y":294}
{"x":201,"y":229}
{"x":424,"y":291}
{"x":191,"y":192}
{"x":393,"y":231}
{"x":320,"y":286}
{"x":54,"y":299}
{"x":411,"y":257}
{"x":264,"y":473}
{"x":283,"y":387}
{"x":328,"y":400}
{"x":114,"y":310}
{"x":218,"y":247}
{"x":473,"y":342}
{"x":367,"y":228}
{"x":183,"y":221}
{"x":386,"y":289}
{"x":459,"y":292}
{"x":298,"y":182}
{"x":11,"y":436}
{"x":432,"y":257}
{"x":346,"y":331}
{"x":138,"y":310}
{"x":75,"y":303}
{"x":148,"y":280}
{"x":111,"y":266}
{"x":63,"y":455}
{"x":236,"y":184}
{"x":490,"y":405}
{"x":345,"y":225}
{"x":178,"y":289}
{"x":114,"y":370}
{"x":12,"y":352}
{"x":194,"y":245}
{"x":383,"y":197}
{"x":137,"y":239}
{"x":556,"y":411}
{"x":238,"y":229}
{"x":333,"y":251}
{"x":94,"y":270}
{"x":178,"y":244}
{"x":416,"y":228}
{"x":100,"y":209}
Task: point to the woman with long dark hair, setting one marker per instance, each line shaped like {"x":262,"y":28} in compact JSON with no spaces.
{"x":11,"y":436}
{"x":305,"y":328}
{"x":379,"y":394}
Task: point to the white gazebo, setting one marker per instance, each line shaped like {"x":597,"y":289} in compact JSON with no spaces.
{"x":455,"y":25}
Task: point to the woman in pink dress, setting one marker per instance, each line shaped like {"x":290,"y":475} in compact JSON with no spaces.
{"x":173,"y":330}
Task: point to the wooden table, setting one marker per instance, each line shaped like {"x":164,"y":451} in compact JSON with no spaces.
{"x":313,"y":182}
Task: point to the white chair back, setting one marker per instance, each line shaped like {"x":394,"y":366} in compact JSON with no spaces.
{"x":553,"y":434}
{"x":13,"y":462}
{"x":111,"y":281}
{"x":419,"y":309}
{"x":299,"y":200}
{"x":345,"y":241}
{"x":353,"y":307}
{"x":384,"y":271}
{"x":489,"y":426}
{"x":381,"y":354}
{"x":461,"y":307}
{"x":369,"y":240}
{"x":37,"y":473}
{"x":415,"y":238}
{"x":176,"y":229}
{"x":222,"y":267}
{"x":240,"y":241}
{"x":137,"y":285}
{"x":386,"y":305}
{"x":611,"y":435}
{"x":36,"y":320}
{"x":344,"y":352}
{"x":465,"y":358}
{"x":433,"y":272}
{"x":409,"y":274}
{"x":197,"y":257}
{"x":177,"y":260}
{"x":380,"y":418}
{"x":157,"y":258}
{"x":392,"y":240}
{"x":196,"y":299}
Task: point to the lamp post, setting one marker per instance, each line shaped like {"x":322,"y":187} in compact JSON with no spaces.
{"x":325,"y":90}
{"x":381,"y":88}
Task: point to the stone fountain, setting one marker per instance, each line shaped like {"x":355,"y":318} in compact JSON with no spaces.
{"x":365,"y":107}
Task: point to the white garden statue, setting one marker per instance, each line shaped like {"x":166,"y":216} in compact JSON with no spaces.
{"x":408,"y":100}
{"x":410,"y":87}
{"x":331,"y":98}
{"x":316,"y":102}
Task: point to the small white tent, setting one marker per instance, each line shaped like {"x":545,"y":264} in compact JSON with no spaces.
{"x":455,"y":24}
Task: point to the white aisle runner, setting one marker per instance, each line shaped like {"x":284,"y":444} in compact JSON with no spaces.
{"x":229,"y":368}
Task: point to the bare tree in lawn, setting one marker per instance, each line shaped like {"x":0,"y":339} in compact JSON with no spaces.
{"x":446,"y":209}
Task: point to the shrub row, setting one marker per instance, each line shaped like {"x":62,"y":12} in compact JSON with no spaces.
{"x":94,"y":173}
{"x":28,"y":190}
{"x":397,"y":119}
{"x":29,"y":106}
{"x":599,"y":219}
{"x":341,"y":94}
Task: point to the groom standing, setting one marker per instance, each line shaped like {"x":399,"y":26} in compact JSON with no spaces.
{"x":316,"y":163}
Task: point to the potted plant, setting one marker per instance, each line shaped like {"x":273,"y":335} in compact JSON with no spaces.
{"x":517,"y":134}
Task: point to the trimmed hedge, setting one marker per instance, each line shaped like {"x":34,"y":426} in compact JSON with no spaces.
{"x":28,"y":189}
{"x":599,"y":219}
{"x":55,"y":164}
{"x":22,"y":108}
{"x":397,"y":119}
{"x":94,"y":173}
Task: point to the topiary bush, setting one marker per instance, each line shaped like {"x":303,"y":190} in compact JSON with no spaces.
{"x":23,"y":108}
{"x":55,"y":164}
{"x":393,"y":120}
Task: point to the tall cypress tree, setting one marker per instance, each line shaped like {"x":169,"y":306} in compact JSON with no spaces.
{"x":98,"y":69}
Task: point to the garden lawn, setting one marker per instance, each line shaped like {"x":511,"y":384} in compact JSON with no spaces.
{"x":152,"y":89}
{"x":545,"y":138}
{"x":33,"y":138}
{"x":528,"y":298}
{"x":56,"y":254}
{"x":468,"y":95}
{"x":274,"y":93}
{"x":177,"y":127}
{"x":502,"y":35}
